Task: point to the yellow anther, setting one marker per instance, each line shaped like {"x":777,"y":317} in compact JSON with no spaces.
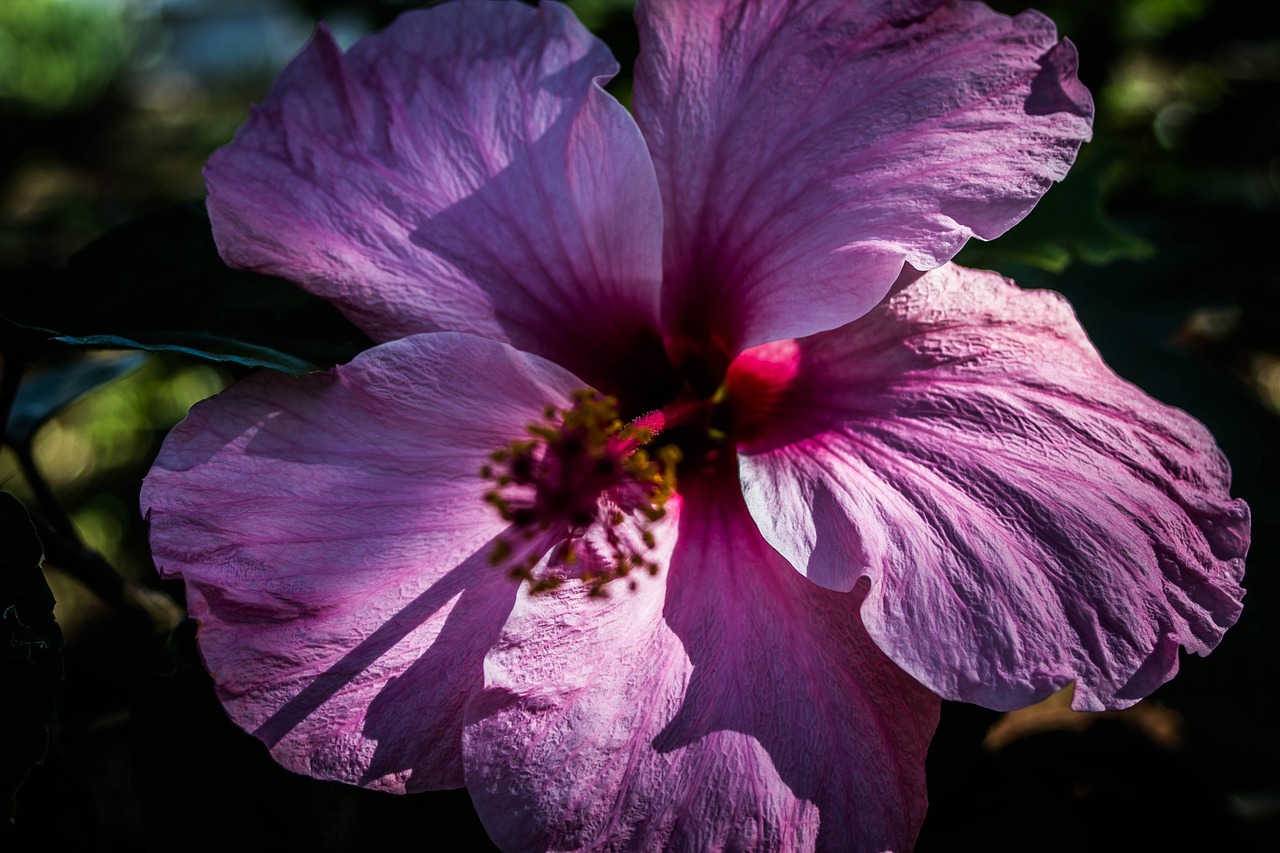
{"x":574,"y":478}
{"x":501,"y":551}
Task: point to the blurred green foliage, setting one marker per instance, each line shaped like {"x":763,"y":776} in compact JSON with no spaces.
{"x":44,"y":394}
{"x":61,"y":54}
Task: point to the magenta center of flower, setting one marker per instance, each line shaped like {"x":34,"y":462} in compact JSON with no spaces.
{"x":581,"y":492}
{"x":584,"y":488}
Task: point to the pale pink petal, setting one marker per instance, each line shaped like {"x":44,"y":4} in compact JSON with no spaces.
{"x":807,"y":148}
{"x":333,"y":537}
{"x":726,"y":705}
{"x":1026,"y":518}
{"x":460,"y":171}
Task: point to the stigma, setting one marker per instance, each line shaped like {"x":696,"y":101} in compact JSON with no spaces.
{"x":581,"y":492}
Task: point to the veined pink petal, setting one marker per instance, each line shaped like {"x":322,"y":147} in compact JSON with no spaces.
{"x":460,"y":171}
{"x":1026,"y":517}
{"x":807,"y":148}
{"x":333,"y":537}
{"x":728,"y":705}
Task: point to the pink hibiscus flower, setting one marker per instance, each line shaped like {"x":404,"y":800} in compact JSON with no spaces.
{"x":890,"y":487}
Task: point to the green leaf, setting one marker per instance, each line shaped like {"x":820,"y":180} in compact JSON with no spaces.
{"x":200,"y":345}
{"x":46,"y":392}
{"x":30,"y":651}
{"x":157,"y":283}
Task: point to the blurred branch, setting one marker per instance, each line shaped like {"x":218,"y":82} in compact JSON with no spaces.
{"x":64,"y":548}
{"x":158,"y":611}
{"x":14,"y":364}
{"x":63,"y":545}
{"x":45,"y":499}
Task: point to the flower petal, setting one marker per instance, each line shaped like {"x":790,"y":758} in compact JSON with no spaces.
{"x":460,"y":171}
{"x":1026,"y":517}
{"x":729,"y":705}
{"x":332,"y":534}
{"x":807,"y":148}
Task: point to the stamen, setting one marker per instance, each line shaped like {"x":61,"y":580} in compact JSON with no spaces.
{"x":582,"y":493}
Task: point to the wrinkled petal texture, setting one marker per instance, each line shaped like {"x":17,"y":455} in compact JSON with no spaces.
{"x":727,"y":705}
{"x":807,"y":148}
{"x":333,"y":537}
{"x":1026,"y":518}
{"x":460,"y":171}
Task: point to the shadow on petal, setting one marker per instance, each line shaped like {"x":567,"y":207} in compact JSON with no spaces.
{"x":424,"y":706}
{"x":452,"y":662}
{"x":1056,"y":89}
{"x":558,"y":282}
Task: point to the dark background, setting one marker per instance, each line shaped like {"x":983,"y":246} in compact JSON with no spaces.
{"x":1161,"y":238}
